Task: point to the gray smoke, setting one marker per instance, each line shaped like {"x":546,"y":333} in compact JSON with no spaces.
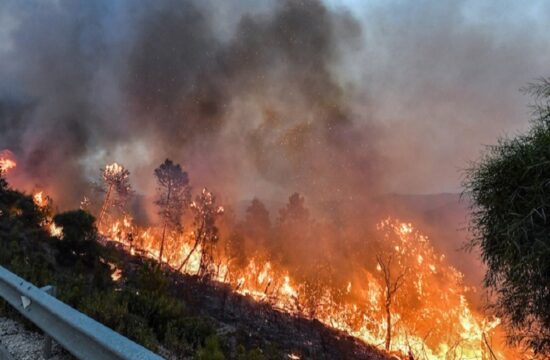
{"x":263,"y":97}
{"x":257,"y":110}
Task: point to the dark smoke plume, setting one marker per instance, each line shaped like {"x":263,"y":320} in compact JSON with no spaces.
{"x":265,"y":97}
{"x":257,"y":111}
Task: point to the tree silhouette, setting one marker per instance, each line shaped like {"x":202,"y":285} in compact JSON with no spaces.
{"x":257,"y":222}
{"x":174,"y":195}
{"x":117,"y":188}
{"x":205,"y":213}
{"x":392,"y":284}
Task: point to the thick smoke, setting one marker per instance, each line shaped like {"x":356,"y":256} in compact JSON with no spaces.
{"x":258,"y":110}
{"x":264,"y":97}
{"x":267,"y":98}
{"x":443,"y":79}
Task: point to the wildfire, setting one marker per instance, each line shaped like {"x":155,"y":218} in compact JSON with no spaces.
{"x":56,"y":231}
{"x":43,"y":201}
{"x":440,"y":325}
{"x":39,"y":199}
{"x":113,"y":170}
{"x":6,"y":161}
{"x":430,"y":316}
{"x":116,"y":273}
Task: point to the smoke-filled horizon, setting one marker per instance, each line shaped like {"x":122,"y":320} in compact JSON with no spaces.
{"x":335,"y":101}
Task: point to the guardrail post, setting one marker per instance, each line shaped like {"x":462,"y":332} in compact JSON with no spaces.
{"x":47,"y":349}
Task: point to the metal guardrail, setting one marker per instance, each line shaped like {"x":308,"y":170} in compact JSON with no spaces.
{"x":82,"y":336}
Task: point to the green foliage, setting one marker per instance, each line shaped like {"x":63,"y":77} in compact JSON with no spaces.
{"x":254,"y":354}
{"x":150,"y":278}
{"x":111,"y":309}
{"x":78,"y":225}
{"x":510,"y":189}
{"x":211,"y":350}
{"x":23,"y":242}
{"x":18,"y":211}
{"x":157,"y":311}
{"x":79,"y":235}
{"x":184,"y":335}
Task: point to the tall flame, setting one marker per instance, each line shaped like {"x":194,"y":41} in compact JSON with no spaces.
{"x":6,"y":164}
{"x":441,"y":324}
{"x":430,"y":317}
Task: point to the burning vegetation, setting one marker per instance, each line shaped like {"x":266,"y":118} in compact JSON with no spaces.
{"x":268,"y":101}
{"x":391,"y":289}
{"x":6,"y":161}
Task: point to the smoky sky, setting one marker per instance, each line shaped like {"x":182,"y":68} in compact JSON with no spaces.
{"x":444,"y":80}
{"x":264,"y":98}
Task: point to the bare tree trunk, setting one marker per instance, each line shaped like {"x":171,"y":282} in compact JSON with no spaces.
{"x":388,"y":321}
{"x":206,"y":260}
{"x":164,"y":228}
{"x":392,"y":285}
{"x":162,"y":243}
{"x":493,"y":356}
{"x":104,"y":206}
{"x":198,"y":238}
{"x":189,"y":255}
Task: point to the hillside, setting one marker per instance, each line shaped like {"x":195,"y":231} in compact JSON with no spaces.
{"x":177,"y":315}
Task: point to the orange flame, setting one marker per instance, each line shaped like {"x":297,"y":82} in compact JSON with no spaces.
{"x":431,"y":316}
{"x":39,"y":199}
{"x":441,"y":325}
{"x":6,"y":164}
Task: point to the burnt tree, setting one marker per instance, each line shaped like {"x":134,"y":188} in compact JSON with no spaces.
{"x":174,"y":194}
{"x":391,"y":286}
{"x":205,"y":213}
{"x":117,"y":188}
{"x":257,"y":222}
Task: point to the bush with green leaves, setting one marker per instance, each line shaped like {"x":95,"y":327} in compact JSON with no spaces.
{"x":510,"y":191}
{"x":79,"y":238}
{"x":211,"y":350}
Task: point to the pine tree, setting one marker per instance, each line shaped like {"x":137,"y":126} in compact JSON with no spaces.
{"x":117,"y":188}
{"x":174,"y":194}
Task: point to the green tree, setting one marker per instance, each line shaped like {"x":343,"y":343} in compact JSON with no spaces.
{"x":211,"y":350}
{"x":510,"y":191}
{"x":79,"y":238}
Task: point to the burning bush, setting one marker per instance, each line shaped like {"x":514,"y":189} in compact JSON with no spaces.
{"x":141,"y":306}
